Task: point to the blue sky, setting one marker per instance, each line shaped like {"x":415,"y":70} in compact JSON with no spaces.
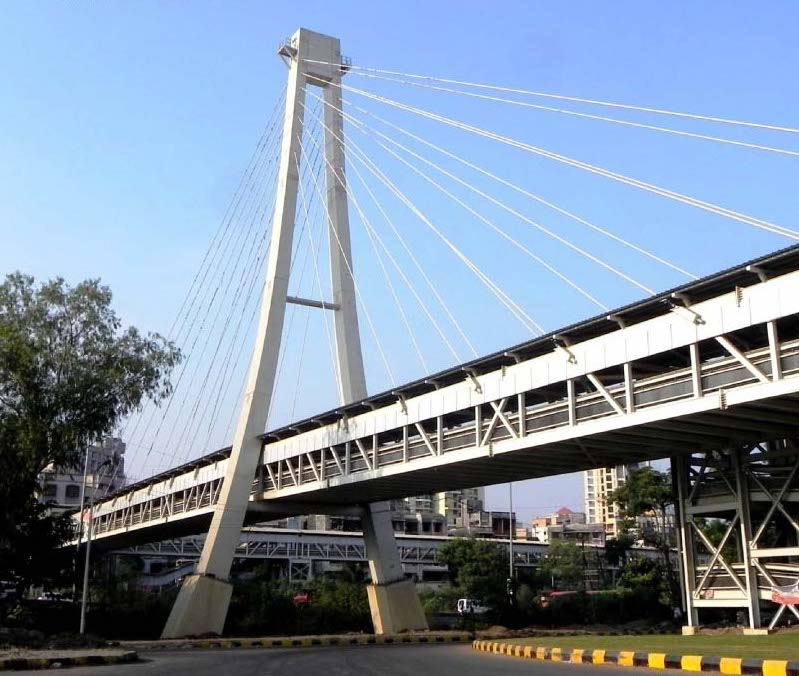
{"x":125,"y":128}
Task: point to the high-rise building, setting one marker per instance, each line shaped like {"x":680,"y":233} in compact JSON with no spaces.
{"x":456,"y":506}
{"x":598,"y":485}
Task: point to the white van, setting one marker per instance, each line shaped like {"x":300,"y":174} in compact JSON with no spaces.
{"x":470,"y":607}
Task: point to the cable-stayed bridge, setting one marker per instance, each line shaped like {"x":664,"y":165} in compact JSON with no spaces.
{"x":704,"y":374}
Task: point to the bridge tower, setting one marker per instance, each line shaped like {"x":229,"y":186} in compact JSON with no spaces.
{"x":201,"y":606}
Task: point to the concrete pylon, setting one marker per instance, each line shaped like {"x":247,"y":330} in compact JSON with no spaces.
{"x":393,"y":600}
{"x":202,"y":603}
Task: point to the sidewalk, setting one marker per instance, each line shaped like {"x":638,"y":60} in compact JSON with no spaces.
{"x":22,"y":659}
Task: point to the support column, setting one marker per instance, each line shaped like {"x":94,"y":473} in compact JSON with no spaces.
{"x":202,"y":603}
{"x":682,"y":466}
{"x":750,"y":573}
{"x":393,"y":599}
{"x":201,"y":606}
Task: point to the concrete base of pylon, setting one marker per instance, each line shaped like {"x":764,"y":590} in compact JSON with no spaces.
{"x":201,"y":607}
{"x":395,"y":607}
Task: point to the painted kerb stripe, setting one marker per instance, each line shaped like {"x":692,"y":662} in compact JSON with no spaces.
{"x":626,"y":658}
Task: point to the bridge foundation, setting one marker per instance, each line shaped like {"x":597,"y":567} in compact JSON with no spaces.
{"x":201,"y":607}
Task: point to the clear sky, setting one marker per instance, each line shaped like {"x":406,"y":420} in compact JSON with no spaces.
{"x":126,"y":126}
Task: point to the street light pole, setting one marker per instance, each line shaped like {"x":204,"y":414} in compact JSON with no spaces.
{"x":80,"y":522}
{"x":84,"y":591}
{"x":510,"y":528}
{"x":87,"y":563}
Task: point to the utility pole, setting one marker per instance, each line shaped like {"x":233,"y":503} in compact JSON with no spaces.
{"x":87,"y":562}
{"x":87,"y":558}
{"x":80,"y":523}
{"x":511,"y":570}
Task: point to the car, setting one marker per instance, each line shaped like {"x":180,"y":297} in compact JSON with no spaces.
{"x":302,"y":598}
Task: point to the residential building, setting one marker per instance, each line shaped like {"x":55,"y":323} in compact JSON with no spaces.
{"x":563,"y":517}
{"x":598,"y":485}
{"x":578,"y":533}
{"x":456,"y":506}
{"x":62,"y":486}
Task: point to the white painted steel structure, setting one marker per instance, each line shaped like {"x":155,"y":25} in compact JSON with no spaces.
{"x":418,"y":553}
{"x":703,"y":369}
{"x":656,"y":378}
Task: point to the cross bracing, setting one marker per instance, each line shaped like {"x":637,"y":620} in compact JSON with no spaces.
{"x":645,"y":381}
{"x":283,"y":544}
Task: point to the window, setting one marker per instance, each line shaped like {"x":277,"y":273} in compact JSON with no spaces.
{"x":72,"y":492}
{"x":50,"y":490}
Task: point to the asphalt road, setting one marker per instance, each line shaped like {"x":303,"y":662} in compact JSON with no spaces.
{"x":413,"y":660}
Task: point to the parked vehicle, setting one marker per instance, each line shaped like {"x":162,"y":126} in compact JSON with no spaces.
{"x":302,"y":598}
{"x":470,"y":607}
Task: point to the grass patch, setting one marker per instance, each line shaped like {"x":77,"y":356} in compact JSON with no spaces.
{"x":774,"y":647}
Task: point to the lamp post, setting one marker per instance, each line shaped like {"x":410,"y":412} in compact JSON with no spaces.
{"x":87,"y":562}
{"x":80,"y":523}
{"x":510,"y":528}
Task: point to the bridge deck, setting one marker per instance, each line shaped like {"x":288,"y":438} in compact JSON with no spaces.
{"x":713,"y":363}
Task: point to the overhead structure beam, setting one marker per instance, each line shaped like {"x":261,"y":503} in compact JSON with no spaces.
{"x":320,"y":304}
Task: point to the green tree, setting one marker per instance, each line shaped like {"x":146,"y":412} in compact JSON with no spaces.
{"x":564,"y":564}
{"x":69,"y":373}
{"x":649,"y":493}
{"x":479,"y":568}
{"x":618,"y":549}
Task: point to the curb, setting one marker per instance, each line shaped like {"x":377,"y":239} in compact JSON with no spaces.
{"x":306,"y":642}
{"x":726,"y":665}
{"x":23,"y":663}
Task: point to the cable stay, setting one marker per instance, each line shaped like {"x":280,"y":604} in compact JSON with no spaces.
{"x":527,"y":193}
{"x":396,"y":265}
{"x":493,"y":226}
{"x":251,"y":275}
{"x":368,"y":227}
{"x":359,"y":70}
{"x":513,"y":307}
{"x":209,"y":259}
{"x":509,"y":210}
{"x":347,"y":263}
{"x":589,"y":116}
{"x":691,"y":201}
{"x":243,"y":202}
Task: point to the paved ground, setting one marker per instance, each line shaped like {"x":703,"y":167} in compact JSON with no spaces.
{"x":421,"y":660}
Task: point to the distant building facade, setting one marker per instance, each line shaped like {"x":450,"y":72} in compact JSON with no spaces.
{"x":598,"y":485}
{"x":61,"y":486}
{"x":541,"y":525}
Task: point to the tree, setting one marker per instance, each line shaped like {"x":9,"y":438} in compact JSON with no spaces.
{"x":648,"y":492}
{"x":564,"y":564}
{"x":618,"y":549}
{"x":479,"y":568}
{"x":69,"y":373}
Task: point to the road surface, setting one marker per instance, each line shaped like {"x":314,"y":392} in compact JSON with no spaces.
{"x":405,"y":660}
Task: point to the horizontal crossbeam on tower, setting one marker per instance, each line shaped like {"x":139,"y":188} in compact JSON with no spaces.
{"x":320,"y":304}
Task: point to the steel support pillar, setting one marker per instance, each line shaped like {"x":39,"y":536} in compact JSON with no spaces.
{"x":201,"y":606}
{"x":687,"y":552}
{"x":745,"y":525}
